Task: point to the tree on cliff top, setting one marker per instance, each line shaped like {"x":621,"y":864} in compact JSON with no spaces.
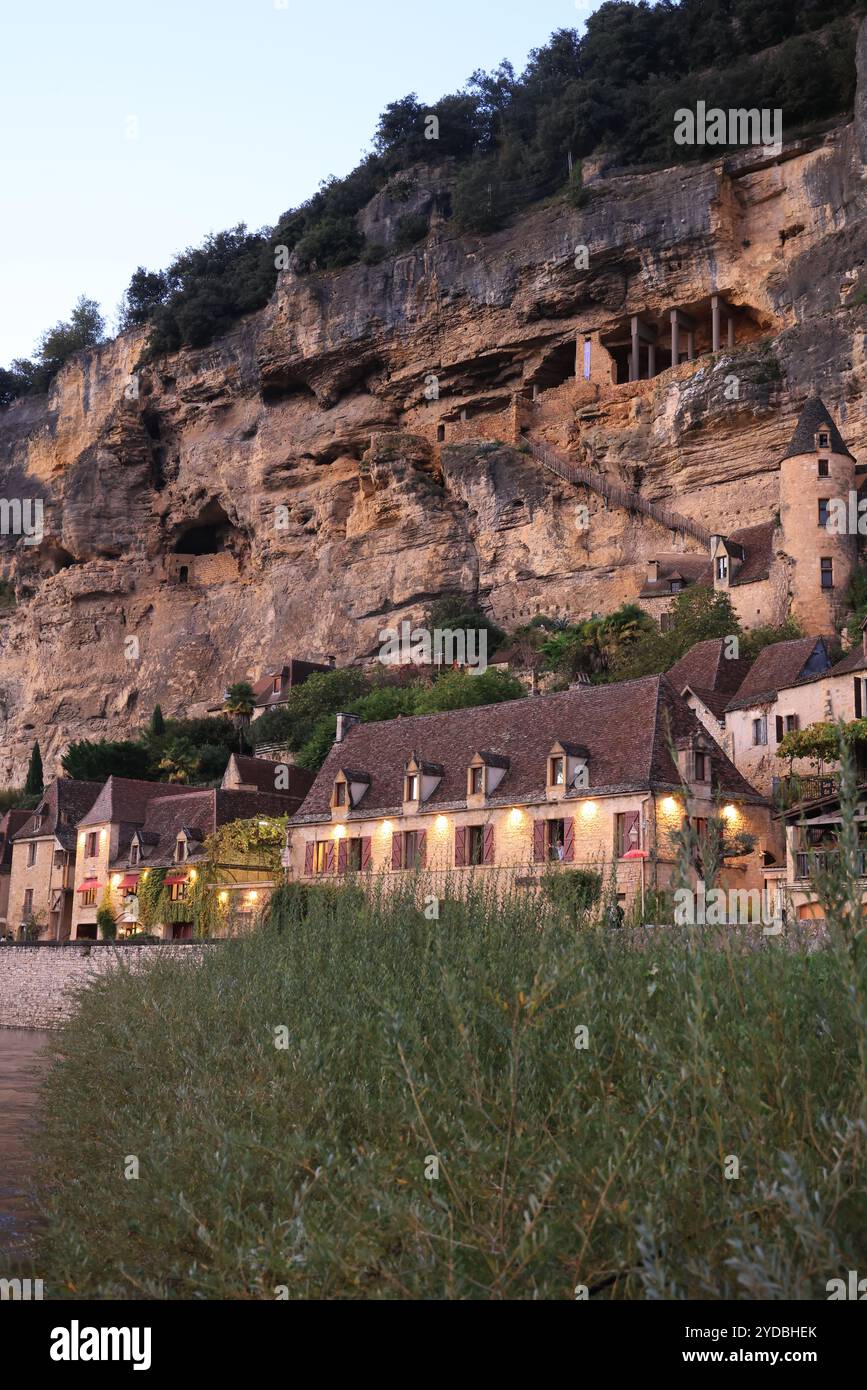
{"x":34,"y":785}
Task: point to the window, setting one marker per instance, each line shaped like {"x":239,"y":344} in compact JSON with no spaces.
{"x":823,"y":468}
{"x":91,"y":844}
{"x":475,"y":844}
{"x":410,"y":848}
{"x":31,"y":854}
{"x":557,"y":772}
{"x":860,"y":704}
{"x":477,"y":781}
{"x":353,"y":856}
{"x":88,"y":897}
{"x":134,"y":853}
{"x":700,"y":766}
{"x":177,"y":892}
{"x":824,"y":439}
{"x":180,"y":850}
{"x":722,"y":567}
{"x":321,"y":856}
{"x":28,"y":903}
{"x":792,"y":722}
{"x":555,"y":839}
{"x":823,"y":511}
{"x":676,"y":586}
{"x":627,"y":828}
{"x":441,"y":434}
{"x":760,"y":731}
{"x":826,"y":569}
{"x":411,"y":791}
{"x":340,"y":793}
{"x":184,"y":574}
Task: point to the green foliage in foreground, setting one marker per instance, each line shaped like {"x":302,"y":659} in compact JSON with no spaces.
{"x":407,"y":1038}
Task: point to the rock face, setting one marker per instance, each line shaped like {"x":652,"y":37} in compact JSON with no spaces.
{"x":285,"y":491}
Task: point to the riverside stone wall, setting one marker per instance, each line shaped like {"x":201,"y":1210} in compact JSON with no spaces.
{"x":39,"y":985}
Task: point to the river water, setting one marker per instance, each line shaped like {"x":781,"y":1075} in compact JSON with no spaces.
{"x":24,"y":1056}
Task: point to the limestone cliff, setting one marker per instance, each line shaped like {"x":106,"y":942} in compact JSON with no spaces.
{"x":284,"y":491}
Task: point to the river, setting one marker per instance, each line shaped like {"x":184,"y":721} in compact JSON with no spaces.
{"x":23,"y":1058}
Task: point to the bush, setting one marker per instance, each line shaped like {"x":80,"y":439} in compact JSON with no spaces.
{"x":409,"y":1038}
{"x":575,"y":891}
{"x":411,"y":228}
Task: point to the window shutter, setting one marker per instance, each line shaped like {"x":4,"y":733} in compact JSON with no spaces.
{"x":631,"y":821}
{"x":366,"y":852}
{"x":779,"y":728}
{"x":538,"y":842}
{"x":396,"y":850}
{"x":421,"y":848}
{"x":460,"y":847}
{"x":342,"y":848}
{"x":309,"y":851}
{"x":569,"y":842}
{"x":488,"y":845}
{"x":329,"y":858}
{"x":858,"y":705}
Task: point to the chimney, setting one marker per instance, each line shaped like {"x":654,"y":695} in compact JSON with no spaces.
{"x":652,"y":571}
{"x":344,"y":724}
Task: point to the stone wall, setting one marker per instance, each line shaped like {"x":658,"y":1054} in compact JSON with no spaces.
{"x":39,"y":985}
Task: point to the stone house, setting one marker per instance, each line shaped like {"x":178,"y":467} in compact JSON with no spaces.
{"x":43,"y":859}
{"x":798,"y":565}
{"x":813,"y":832}
{"x":10,"y":823}
{"x":594,"y":777}
{"x":708,"y":677}
{"x":780,"y":693}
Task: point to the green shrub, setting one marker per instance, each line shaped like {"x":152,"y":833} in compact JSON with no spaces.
{"x":575,"y":891}
{"x":411,"y":228}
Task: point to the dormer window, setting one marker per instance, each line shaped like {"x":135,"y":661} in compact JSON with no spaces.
{"x":700,"y":761}
{"x":410,"y":791}
{"x":134,"y":852}
{"x":339,"y":793}
{"x":477,"y":781}
{"x":722,"y":567}
{"x":556,"y":772}
{"x":180,"y":849}
{"x":824,"y":439}
{"x":484,"y":775}
{"x":568,"y":769}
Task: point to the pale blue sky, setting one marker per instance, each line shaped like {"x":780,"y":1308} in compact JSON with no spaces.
{"x":130,"y":130}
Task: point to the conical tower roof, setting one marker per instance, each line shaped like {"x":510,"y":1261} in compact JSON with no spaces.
{"x":814,"y":417}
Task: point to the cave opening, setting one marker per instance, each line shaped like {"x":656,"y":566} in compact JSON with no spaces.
{"x":211,"y":533}
{"x":556,"y":367}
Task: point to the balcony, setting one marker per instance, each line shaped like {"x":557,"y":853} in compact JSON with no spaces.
{"x":789,"y":791}
{"x":824,"y":861}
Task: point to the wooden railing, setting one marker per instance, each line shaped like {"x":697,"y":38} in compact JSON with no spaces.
{"x":825,"y":861}
{"x":621,"y":496}
{"x":788,"y":791}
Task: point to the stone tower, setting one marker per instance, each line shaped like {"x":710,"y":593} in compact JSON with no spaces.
{"x":818,"y":518}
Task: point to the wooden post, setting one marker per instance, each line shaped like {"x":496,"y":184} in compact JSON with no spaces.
{"x":731,"y":331}
{"x":651,"y":359}
{"x":715,"y":339}
{"x":675,"y":339}
{"x":690,"y":345}
{"x":635,"y":363}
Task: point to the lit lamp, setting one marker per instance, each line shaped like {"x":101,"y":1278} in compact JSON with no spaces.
{"x":730,"y":812}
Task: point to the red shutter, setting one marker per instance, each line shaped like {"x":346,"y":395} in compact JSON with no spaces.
{"x":569,"y":842}
{"x":488,"y":845}
{"x":630,"y":819}
{"x":309,"y":851}
{"x":397,"y":850}
{"x":366,"y":852}
{"x":421,"y":849}
{"x":341,"y":856}
{"x":538,"y":841}
{"x":329,"y":858}
{"x":460,"y":847}
{"x":779,"y":728}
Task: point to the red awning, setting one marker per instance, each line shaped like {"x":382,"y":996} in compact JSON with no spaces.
{"x":174,"y":878}
{"x":128,"y":881}
{"x":86,"y":886}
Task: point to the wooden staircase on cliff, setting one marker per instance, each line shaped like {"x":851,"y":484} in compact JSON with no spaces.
{"x":615,"y":493}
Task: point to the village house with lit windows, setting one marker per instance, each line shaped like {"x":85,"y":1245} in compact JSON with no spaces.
{"x":42,"y":871}
{"x":592,"y":777}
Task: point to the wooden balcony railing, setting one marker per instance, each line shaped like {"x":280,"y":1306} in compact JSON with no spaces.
{"x":788,"y":791}
{"x":824,"y":861}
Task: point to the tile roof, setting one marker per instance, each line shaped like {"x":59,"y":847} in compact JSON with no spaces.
{"x":65,"y":796}
{"x":198,"y":813}
{"x":10,"y":824}
{"x":626,"y":728}
{"x":692,"y":569}
{"x":779,"y":666}
{"x":815,"y":416}
{"x":757,"y":543}
{"x":710,"y":674}
{"x":124,"y":800}
{"x":262,"y":774}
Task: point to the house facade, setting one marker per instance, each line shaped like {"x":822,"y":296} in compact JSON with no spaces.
{"x":597,"y":777}
{"x":780,"y":691}
{"x":41,"y":881}
{"x":10,"y":824}
{"x":797,"y":566}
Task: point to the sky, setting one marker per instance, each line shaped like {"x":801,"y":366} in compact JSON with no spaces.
{"x":128,"y":131}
